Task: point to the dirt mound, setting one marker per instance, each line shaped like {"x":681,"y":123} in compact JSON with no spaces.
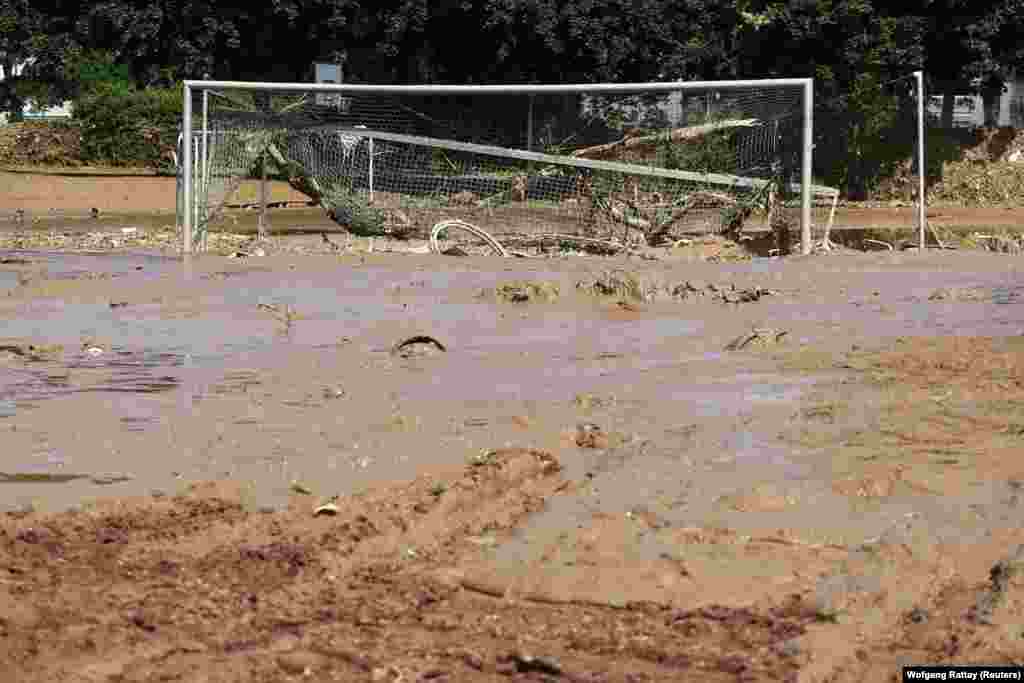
{"x":40,"y":143}
{"x":180,"y":587}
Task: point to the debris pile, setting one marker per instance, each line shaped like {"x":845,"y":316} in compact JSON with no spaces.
{"x":520,"y":291}
{"x":759,"y":337}
{"x":40,"y":143}
{"x":619,"y":284}
{"x":726,"y":293}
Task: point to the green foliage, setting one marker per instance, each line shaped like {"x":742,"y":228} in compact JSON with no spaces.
{"x":352,"y":210}
{"x":849,"y":46}
{"x":123,"y":126}
{"x":862,"y":137}
{"x":96,"y":71}
{"x":711,"y":153}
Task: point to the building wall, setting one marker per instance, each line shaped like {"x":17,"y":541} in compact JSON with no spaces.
{"x":970,"y":110}
{"x":1012,"y":106}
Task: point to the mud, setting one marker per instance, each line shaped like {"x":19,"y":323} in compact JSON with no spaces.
{"x":588,"y":487}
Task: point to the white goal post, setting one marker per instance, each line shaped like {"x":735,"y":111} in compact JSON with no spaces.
{"x":757,"y":105}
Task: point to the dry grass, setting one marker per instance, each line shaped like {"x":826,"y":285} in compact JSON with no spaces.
{"x":981,"y":184}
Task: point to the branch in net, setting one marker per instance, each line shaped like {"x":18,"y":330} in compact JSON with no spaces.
{"x":298,"y":178}
{"x":674,"y":135}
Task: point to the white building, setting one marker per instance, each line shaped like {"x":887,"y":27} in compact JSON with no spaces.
{"x":324,"y":72}
{"x":30,"y":110}
{"x":969,"y":111}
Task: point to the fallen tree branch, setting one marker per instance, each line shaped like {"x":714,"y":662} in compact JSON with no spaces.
{"x":297,"y":176}
{"x":674,"y":135}
{"x":525,"y":240}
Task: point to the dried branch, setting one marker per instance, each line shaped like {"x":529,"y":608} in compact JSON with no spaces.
{"x":674,"y":135}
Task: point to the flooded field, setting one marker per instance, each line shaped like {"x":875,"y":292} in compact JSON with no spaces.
{"x":635,"y":470}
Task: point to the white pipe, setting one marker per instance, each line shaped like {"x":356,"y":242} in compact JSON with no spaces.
{"x":371,"y":168}
{"x":806,"y":171}
{"x":507,"y":89}
{"x":197,"y":189}
{"x":920,"y":157}
{"x":186,"y":164}
{"x":529,"y":125}
{"x":205,"y":180}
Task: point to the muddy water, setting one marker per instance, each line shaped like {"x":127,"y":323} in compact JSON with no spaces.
{"x":198,"y":381}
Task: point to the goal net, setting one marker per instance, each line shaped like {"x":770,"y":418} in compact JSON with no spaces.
{"x":630,"y":163}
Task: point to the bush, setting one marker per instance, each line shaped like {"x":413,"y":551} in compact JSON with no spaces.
{"x":124,"y":126}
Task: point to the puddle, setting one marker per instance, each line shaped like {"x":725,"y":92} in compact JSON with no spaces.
{"x":748,"y":448}
{"x":497,"y":352}
{"x":894,"y":319}
{"x":131,"y":373}
{"x":734,"y":396}
{"x":351,"y":304}
{"x":39,"y":477}
{"x":43,"y":477}
{"x":8,"y":280}
{"x":58,"y":265}
{"x":1007,"y":295}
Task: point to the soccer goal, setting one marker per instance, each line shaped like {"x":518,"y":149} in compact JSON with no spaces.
{"x":630,"y":162}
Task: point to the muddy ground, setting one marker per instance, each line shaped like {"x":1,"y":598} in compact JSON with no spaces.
{"x":226,"y":470}
{"x":66,"y":200}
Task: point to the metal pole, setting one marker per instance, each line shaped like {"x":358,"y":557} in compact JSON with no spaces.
{"x":186,"y":164}
{"x":529,"y":124}
{"x":920,"y":157}
{"x":806,"y":171}
{"x":371,"y":168}
{"x":196,"y":187}
{"x":507,"y":89}
{"x":203,"y":171}
{"x":262,"y":230}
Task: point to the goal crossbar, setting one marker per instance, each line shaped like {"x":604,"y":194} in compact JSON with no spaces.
{"x":502,"y":89}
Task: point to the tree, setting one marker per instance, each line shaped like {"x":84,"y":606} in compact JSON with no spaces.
{"x":20,"y":34}
{"x":971,"y":47}
{"x":859,"y":54}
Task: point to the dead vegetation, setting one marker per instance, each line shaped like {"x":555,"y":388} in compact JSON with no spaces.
{"x":618,"y":284}
{"x":522,"y":291}
{"x":40,"y":143}
{"x":970,"y":183}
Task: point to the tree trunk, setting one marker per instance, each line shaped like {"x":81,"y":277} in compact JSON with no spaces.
{"x":948,"y":102}
{"x":9,"y":100}
{"x":856,"y":185}
{"x":990,"y":103}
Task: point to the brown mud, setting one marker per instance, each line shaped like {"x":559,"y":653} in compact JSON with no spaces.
{"x":222,"y":469}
